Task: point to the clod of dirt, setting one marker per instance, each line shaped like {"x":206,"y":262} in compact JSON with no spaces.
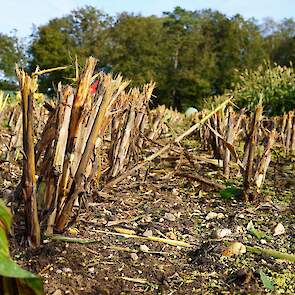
{"x":243,"y":277}
{"x":204,"y":258}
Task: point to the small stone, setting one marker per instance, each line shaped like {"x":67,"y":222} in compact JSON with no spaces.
{"x":220,"y":216}
{"x":144,"y":248}
{"x":170,"y":216}
{"x":67,"y":269}
{"x":57,"y":292}
{"x":211,"y":215}
{"x":134,"y":256}
{"x":161,"y":219}
{"x":148,"y":219}
{"x":224,"y":232}
{"x":262,"y":241}
{"x":279,"y":229}
{"x":59,"y":271}
{"x":91,"y":270}
{"x":148,"y":233}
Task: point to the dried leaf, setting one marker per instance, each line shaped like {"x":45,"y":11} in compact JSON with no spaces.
{"x":73,"y":231}
{"x":134,"y":280}
{"x":235,"y":248}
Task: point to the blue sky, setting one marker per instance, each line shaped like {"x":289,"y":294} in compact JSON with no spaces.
{"x":22,"y":14}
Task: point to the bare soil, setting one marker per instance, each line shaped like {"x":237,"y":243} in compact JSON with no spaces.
{"x":117,"y":265}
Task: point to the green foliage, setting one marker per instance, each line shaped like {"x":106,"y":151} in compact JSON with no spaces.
{"x":10,"y":53}
{"x":191,"y":60}
{"x":230,"y":193}
{"x":53,"y":47}
{"x":252,"y":230}
{"x":8,"y":85}
{"x":190,"y":54}
{"x":267,"y":283}
{"x":235,"y":42}
{"x":274,"y":85}
{"x":13,"y":279}
{"x":137,"y":49}
{"x":280,"y":41}
{"x":81,"y":33}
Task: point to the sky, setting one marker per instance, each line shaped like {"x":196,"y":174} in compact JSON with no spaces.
{"x":23,"y":14}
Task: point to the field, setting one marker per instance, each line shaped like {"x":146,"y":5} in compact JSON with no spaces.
{"x":110,"y":197}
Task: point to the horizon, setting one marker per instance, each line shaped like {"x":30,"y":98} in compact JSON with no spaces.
{"x":26,"y":15}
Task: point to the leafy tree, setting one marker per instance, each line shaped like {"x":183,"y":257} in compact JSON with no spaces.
{"x":205,"y":49}
{"x":53,"y":46}
{"x":137,"y":49}
{"x":81,"y":33}
{"x":237,"y":44}
{"x":190,"y":54}
{"x":280,"y":40}
{"x":190,"y":58}
{"x":89,"y":29}
{"x":11,"y":52}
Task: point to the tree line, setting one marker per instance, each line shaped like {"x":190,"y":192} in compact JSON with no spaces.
{"x":190,"y":54}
